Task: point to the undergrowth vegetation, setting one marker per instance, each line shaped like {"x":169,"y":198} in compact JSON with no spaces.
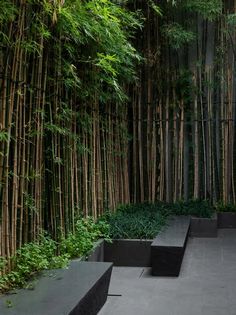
{"x":34,"y":257}
{"x":136,"y":221}
{"x":144,"y":221}
{"x":199,"y":208}
{"x":221,"y":207}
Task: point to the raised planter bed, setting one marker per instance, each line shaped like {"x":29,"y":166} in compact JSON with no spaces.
{"x":203,"y":227}
{"x":167,"y":249}
{"x":132,"y":253}
{"x":79,"y":290}
{"x":226,"y":220}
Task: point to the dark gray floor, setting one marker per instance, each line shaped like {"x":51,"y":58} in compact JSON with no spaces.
{"x":206,"y":285}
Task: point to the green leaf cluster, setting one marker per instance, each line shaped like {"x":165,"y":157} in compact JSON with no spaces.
{"x":138,"y":221}
{"x":222,"y":207}
{"x":146,"y":220}
{"x":88,"y":42}
{"x":95,"y":38}
{"x":34,"y":257}
{"x":177,"y":35}
{"x":199,"y":208}
{"x":8,"y":11}
{"x":210,"y":9}
{"x":87,"y":231}
{"x":178,"y":16}
{"x":29,"y":260}
{"x":231,"y":19}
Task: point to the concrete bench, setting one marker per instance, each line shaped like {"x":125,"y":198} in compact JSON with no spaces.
{"x":168,"y":247}
{"x":79,"y":290}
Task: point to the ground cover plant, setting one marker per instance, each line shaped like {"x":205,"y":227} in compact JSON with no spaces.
{"x":146,"y":220}
{"x":222,"y":207}
{"x":138,"y":221}
{"x":199,"y":208}
{"x":46,"y":253}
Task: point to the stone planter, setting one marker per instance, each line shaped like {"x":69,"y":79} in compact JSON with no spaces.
{"x":226,"y":220}
{"x":127,"y":252}
{"x":203,"y":227}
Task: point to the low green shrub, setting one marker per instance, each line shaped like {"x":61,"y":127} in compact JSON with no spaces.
{"x":29,"y":260}
{"x":33,"y":257}
{"x":87,"y":231}
{"x":145,"y":221}
{"x":138,"y":221}
{"x":222,"y":207}
{"x":199,"y":208}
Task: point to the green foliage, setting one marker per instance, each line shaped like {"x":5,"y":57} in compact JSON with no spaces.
{"x":8,"y":11}
{"x":3,"y":263}
{"x":105,"y":62}
{"x":222,"y":207}
{"x":199,"y":208}
{"x":87,"y":231}
{"x":210,"y":9}
{"x":29,"y":260}
{"x":33,"y":257}
{"x":145,"y":221}
{"x":231,"y":19}
{"x":184,"y":86}
{"x":29,"y":202}
{"x":100,"y":31}
{"x":155,"y":7}
{"x":138,"y":221}
{"x":89,"y":40}
{"x":3,"y":136}
{"x":177,"y":35}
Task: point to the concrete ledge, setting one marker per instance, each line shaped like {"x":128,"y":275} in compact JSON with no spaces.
{"x":167,"y":249}
{"x":203,"y":227}
{"x":226,"y":220}
{"x":132,"y":253}
{"x":97,"y":253}
{"x":79,"y":290}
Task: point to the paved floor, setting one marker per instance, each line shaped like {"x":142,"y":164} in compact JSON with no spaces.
{"x":206,"y":285}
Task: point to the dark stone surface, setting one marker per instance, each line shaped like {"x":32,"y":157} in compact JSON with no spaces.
{"x":97,"y":253}
{"x":168,"y":247}
{"x":79,"y":290}
{"x":128,"y":252}
{"x":205,"y":286}
{"x":226,"y":220}
{"x":203,"y":227}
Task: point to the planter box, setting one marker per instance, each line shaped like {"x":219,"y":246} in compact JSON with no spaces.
{"x":79,"y":290}
{"x":226,"y":220}
{"x":203,"y":227}
{"x":132,"y":253}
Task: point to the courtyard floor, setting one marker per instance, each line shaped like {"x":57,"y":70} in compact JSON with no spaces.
{"x":206,"y":285}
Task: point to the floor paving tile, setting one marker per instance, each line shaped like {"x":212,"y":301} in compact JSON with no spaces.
{"x":206,"y":285}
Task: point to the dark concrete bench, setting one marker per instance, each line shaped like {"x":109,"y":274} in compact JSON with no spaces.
{"x":79,"y":290}
{"x":168,"y":247}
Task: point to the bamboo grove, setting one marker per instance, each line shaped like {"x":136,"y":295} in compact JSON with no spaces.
{"x":86,"y":123}
{"x":183,"y":109}
{"x":61,"y":66}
